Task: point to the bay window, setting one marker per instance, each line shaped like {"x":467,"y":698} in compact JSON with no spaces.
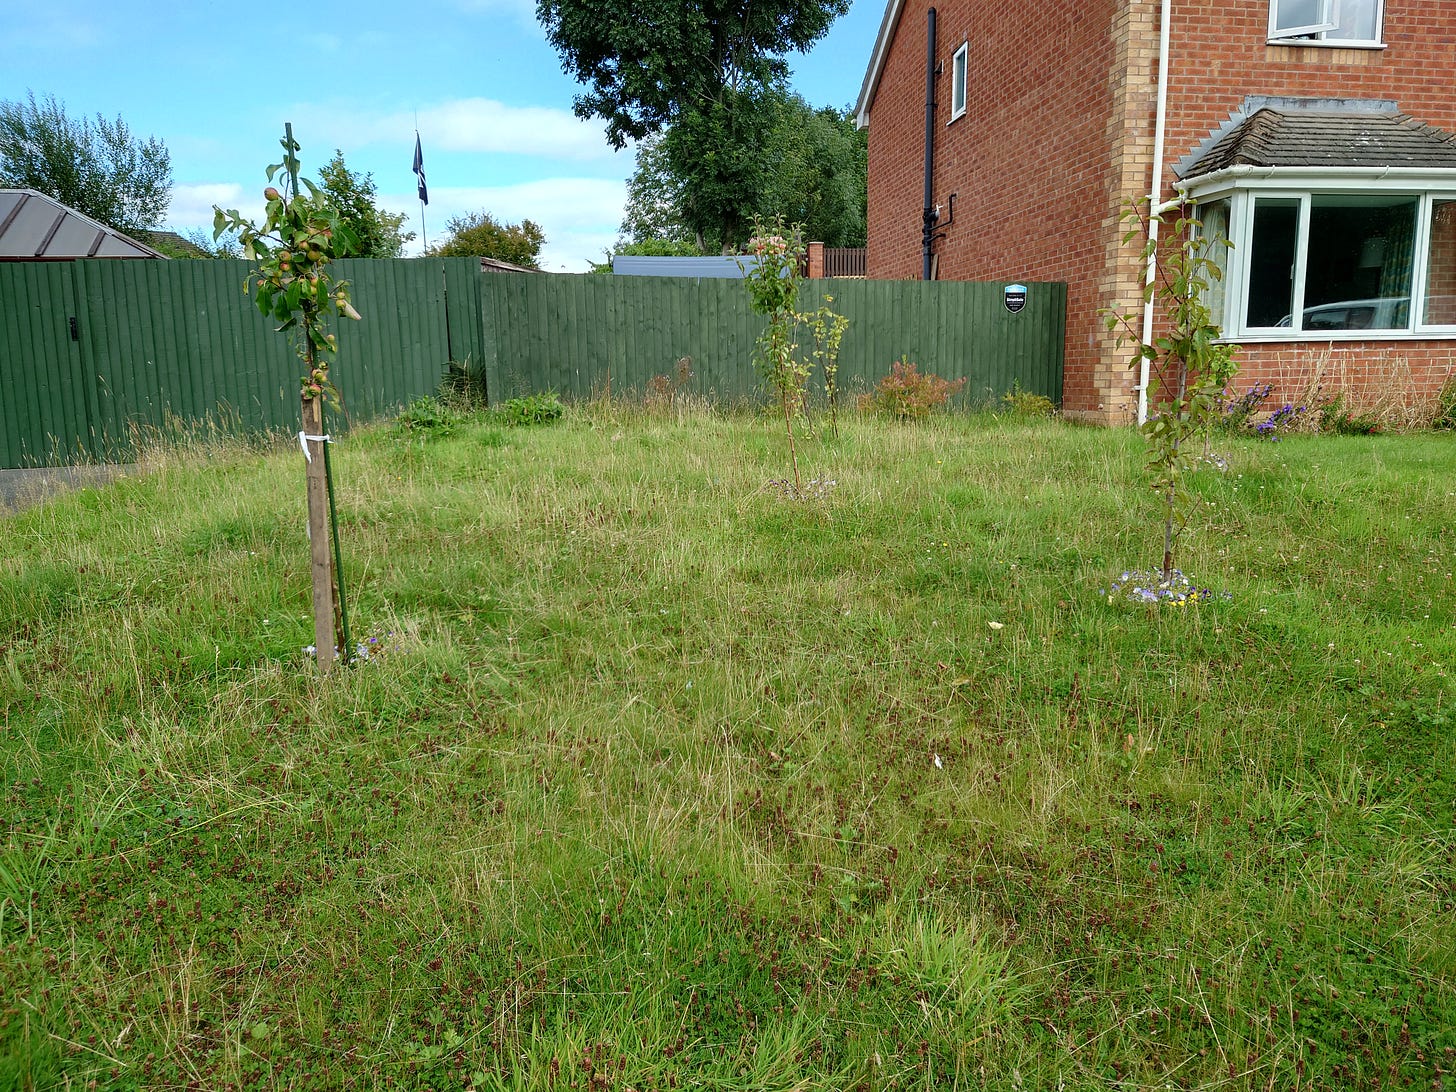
{"x":1332,"y":262}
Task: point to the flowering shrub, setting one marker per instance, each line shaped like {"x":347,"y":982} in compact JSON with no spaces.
{"x":1335,"y":417}
{"x":1151,"y":588}
{"x":1236,"y":412}
{"x":1281,"y":420}
{"x":905,"y":393}
{"x":1241,"y":414}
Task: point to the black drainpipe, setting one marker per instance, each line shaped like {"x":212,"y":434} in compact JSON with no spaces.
{"x":927,"y":233}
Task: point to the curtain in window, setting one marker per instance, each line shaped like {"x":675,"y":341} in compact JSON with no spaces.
{"x":1400,"y":236}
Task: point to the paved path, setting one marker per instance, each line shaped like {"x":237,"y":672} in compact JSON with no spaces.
{"x":23,"y":488}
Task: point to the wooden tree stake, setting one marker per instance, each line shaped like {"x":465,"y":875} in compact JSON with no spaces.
{"x":318,"y":535}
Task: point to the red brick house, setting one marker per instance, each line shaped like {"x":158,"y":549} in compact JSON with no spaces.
{"x":1315,"y":133}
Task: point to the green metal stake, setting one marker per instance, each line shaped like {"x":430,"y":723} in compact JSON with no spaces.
{"x":347,"y":652}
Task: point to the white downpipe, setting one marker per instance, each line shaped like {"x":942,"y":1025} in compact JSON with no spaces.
{"x":1155,"y":200}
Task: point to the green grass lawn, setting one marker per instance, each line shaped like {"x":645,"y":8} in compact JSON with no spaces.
{"x":659,"y":778}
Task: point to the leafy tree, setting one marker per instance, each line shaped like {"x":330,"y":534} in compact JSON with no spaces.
{"x":810,"y":168}
{"x":698,"y":69}
{"x":302,"y":233}
{"x":353,"y":195}
{"x":654,"y":200}
{"x":96,"y":167}
{"x":225,"y":246}
{"x":816,"y":171}
{"x":481,"y":235}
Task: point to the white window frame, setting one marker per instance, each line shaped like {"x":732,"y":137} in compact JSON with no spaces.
{"x":959,"y":80}
{"x":1241,"y":191}
{"x":1319,"y":33}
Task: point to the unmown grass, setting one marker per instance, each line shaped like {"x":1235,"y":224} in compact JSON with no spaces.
{"x":661,"y":778}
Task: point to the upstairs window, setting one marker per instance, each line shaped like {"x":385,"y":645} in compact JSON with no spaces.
{"x":958,"y":81}
{"x":1327,"y":22}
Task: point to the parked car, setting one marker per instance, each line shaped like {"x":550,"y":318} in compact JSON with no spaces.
{"x":1385,"y":313}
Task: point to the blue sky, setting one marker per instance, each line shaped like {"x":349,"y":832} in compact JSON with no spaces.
{"x":216,"y":83}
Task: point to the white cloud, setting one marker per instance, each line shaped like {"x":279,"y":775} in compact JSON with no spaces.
{"x":466,"y":125}
{"x":580,"y":216}
{"x":192,"y":203}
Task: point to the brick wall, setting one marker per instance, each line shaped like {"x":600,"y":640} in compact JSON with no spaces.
{"x":1059,"y":132}
{"x":1216,"y":63}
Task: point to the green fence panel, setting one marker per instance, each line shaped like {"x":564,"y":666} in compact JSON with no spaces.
{"x":464,"y":327}
{"x":955,"y":329}
{"x":46,"y":399}
{"x":400,"y":348}
{"x":158,"y":341}
{"x":179,"y":340}
{"x":580,"y":335}
{"x":583,"y":335}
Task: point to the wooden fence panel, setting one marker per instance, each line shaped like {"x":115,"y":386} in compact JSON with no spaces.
{"x":47,"y":401}
{"x":156,"y":340}
{"x":401,"y":347}
{"x":569,"y":333}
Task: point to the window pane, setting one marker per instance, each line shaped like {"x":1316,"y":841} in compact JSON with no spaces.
{"x":1289,"y":14}
{"x":1271,"y":262}
{"x":1356,"y":19}
{"x":1440,"y":303}
{"x":958,"y":81}
{"x":1361,"y":256}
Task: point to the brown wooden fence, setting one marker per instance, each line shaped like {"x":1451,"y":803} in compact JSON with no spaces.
{"x":844,"y":261}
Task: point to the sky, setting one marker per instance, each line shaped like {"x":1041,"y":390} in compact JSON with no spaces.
{"x":477,"y":78}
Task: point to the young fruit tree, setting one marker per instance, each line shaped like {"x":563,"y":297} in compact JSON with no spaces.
{"x":772,"y":279}
{"x":291,"y":250}
{"x":1189,"y":364}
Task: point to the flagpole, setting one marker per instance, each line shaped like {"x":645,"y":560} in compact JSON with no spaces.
{"x":419,"y":170}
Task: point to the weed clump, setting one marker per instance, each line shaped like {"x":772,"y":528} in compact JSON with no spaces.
{"x":908,"y":395}
{"x":531,"y":409}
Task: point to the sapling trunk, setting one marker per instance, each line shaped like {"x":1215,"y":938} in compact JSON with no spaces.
{"x":793,"y":454}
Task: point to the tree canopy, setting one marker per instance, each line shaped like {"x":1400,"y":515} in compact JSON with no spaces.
{"x":810,"y":168}
{"x":817,"y":171}
{"x":700,"y":70}
{"x":352,"y":195}
{"x":95,"y":166}
{"x":481,"y":235}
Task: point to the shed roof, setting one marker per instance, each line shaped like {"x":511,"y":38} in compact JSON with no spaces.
{"x":1271,"y":137}
{"x":34,"y":227}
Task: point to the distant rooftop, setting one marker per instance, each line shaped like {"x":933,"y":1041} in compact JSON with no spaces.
{"x":34,"y":227}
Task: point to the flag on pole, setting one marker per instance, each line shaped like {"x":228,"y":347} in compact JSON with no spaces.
{"x":419,"y":170}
